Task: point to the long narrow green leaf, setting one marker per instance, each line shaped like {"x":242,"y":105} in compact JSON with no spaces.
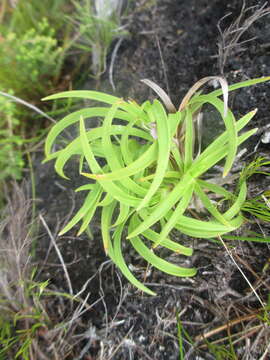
{"x":169,"y":175}
{"x":222,"y":139}
{"x":201,"y":166}
{"x":74,"y":118}
{"x":177,"y":158}
{"x":111,"y":188}
{"x":206,"y":229}
{"x":125,"y":144}
{"x":209,"y":206}
{"x":85,"y":187}
{"x":123,"y":215}
{"x":75,"y":147}
{"x":158,"y":262}
{"x":189,"y":139}
{"x":230,"y":125}
{"x":148,"y":157}
{"x":241,"y":85}
{"x":165,"y":206}
{"x":106,"y":223}
{"x":108,"y":199}
{"x":88,"y":217}
{"x":178,"y":211}
{"x":89,"y":202}
{"x":164,"y":144}
{"x":215,"y":188}
{"x":120,"y":262}
{"x":174,"y":121}
{"x":87,"y":151}
{"x":258,"y":239}
{"x":153,"y":236}
{"x":97,"y":96}
{"x":236,"y":207}
{"x":109,"y":153}
{"x":84,"y":94}
{"x":111,"y":157}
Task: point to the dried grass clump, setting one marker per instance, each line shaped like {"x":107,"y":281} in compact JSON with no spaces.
{"x":37,"y":321}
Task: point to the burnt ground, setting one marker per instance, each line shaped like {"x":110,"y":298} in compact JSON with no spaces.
{"x":173,"y":43}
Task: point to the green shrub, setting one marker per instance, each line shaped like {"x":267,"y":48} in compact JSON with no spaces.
{"x":30,"y":62}
{"x":97,"y":26}
{"x":11,"y":159}
{"x":27,"y":14}
{"x":30,"y":328}
{"x":152,"y":171}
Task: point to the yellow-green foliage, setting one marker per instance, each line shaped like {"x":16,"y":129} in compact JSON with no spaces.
{"x":11,"y":160}
{"x":150,"y":172}
{"x":30,"y":62}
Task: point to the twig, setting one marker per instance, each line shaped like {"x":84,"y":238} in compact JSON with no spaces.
{"x":114,"y":54}
{"x":230,"y":324}
{"x":58,"y":253}
{"x":163,"y":65}
{"x":259,"y":278}
{"x":263,"y":357}
{"x":244,"y":276}
{"x":230,"y":37}
{"x":30,"y":106}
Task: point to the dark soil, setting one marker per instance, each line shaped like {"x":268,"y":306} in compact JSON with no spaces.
{"x":173,"y":43}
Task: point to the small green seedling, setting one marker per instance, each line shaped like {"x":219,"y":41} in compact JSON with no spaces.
{"x":146,"y":170}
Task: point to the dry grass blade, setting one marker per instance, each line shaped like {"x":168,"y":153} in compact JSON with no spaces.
{"x":113,"y":57}
{"x":162,"y":94}
{"x":58,"y":253}
{"x":200,"y":83}
{"x":15,"y":246}
{"x":229,"y":41}
{"x":230,"y":324}
{"x":26,"y":304}
{"x":244,"y":276}
{"x":27,"y":104}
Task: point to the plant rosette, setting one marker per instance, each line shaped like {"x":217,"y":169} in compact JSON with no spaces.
{"x":146,"y":169}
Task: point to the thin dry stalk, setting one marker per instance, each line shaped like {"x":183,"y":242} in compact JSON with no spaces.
{"x":230,"y":38}
{"x":15,"y":246}
{"x":230,"y":324}
{"x":259,"y":278}
{"x":113,"y":58}
{"x":27,"y":104}
{"x":58,"y":253}
{"x":16,"y":278}
{"x":240,"y":270}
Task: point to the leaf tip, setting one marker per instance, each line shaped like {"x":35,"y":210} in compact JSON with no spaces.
{"x":91,"y":176}
{"x":254,"y":111}
{"x":47,"y":98}
{"x":63,"y":176}
{"x":225,"y":173}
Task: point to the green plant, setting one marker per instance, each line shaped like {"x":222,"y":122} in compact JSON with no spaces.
{"x":11,"y":159}
{"x":27,"y":14}
{"x":20,"y":328}
{"x":182,"y":334}
{"x":30,"y":328}
{"x":33,"y":56}
{"x":258,"y":206}
{"x":98,"y":24}
{"x":227,"y":341}
{"x":146,"y":171}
